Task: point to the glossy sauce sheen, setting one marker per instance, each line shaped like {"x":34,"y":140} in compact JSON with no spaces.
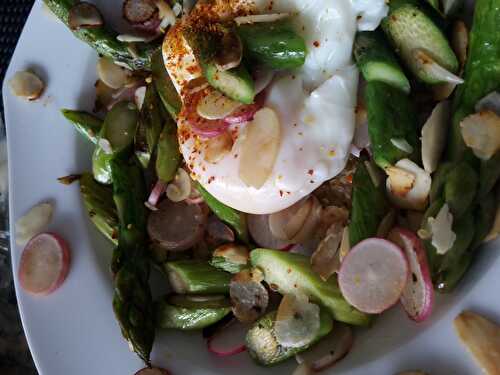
{"x":315,"y":106}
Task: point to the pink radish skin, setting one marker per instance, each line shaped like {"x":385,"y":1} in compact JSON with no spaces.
{"x":44,"y":264}
{"x":246,"y":113}
{"x":228,"y":340}
{"x":373,"y":275}
{"x":418,"y":296}
{"x":155,"y":195}
{"x":152,"y":371}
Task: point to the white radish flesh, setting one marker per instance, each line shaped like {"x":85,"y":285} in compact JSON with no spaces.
{"x":44,"y":264}
{"x":418,"y":296}
{"x":34,"y":222}
{"x":216,"y":106}
{"x":260,"y":148}
{"x":112,"y":75}
{"x":434,"y":134}
{"x":373,"y":275}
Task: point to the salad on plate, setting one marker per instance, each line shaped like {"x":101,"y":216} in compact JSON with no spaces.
{"x":292,"y":168}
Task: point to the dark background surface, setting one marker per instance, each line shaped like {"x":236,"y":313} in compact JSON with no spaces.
{"x":15,"y":358}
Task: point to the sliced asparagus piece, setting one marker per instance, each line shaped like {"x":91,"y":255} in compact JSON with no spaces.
{"x":196,"y":277}
{"x":85,"y":123}
{"x":288,"y":272}
{"x":164,"y":85}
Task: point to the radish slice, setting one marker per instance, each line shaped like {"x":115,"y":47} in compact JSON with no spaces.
{"x":330,"y":349}
{"x":138,"y":11}
{"x":373,"y":275}
{"x":152,"y":371}
{"x":262,"y":78}
{"x":177,"y":226}
{"x":258,"y":225}
{"x":228,"y":340}
{"x":201,"y":126}
{"x":418,"y":296}
{"x":44,"y":264}
{"x":84,"y":16}
{"x":111,"y":74}
{"x":246,"y":113}
{"x":153,"y":199}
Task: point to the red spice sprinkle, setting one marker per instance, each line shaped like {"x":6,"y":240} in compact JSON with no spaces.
{"x":211,"y":179}
{"x":310,"y":172}
{"x":281,"y":193}
{"x":316,"y":44}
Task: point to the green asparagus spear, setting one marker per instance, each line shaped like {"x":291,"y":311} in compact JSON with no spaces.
{"x":482,"y":71}
{"x":292,"y":272}
{"x":104,"y":40}
{"x":101,"y":168}
{"x":149,"y":127}
{"x":448,"y":279}
{"x":132,"y":301}
{"x":87,"y":124}
{"x":99,"y":204}
{"x":265,"y":349}
{"x":237,"y":220}
{"x":489,"y":174}
{"x":182,"y":312}
{"x":196,"y":277}
{"x":460,"y":188}
{"x":439,"y":179}
{"x":164,"y":85}
{"x":369,"y":206}
{"x":168,"y":156}
{"x":484,"y":216}
{"x":464,"y":228}
{"x":391,"y":120}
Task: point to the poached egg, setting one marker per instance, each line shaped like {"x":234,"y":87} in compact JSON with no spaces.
{"x":315,"y":105}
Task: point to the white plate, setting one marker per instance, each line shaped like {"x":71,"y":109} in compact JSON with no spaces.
{"x":74,"y":331}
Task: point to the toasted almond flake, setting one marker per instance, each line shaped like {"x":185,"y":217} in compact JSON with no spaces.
{"x":166,"y":14}
{"x":139,"y":96}
{"x":427,"y":64}
{"x":417,"y":197}
{"x":260,"y":148}
{"x":234,"y":253}
{"x":36,"y":220}
{"x":258,"y":18}
{"x":345,"y":244}
{"x":325,"y":261}
{"x":400,"y":180}
{"x":26,"y":85}
{"x":434,"y":134}
{"x":460,"y":41}
{"x":402,"y":144}
{"x":217,"y":147}
{"x":481,"y":337}
{"x":297,"y":321}
{"x":481,"y":132}
{"x":441,"y":231}
{"x":180,"y":188}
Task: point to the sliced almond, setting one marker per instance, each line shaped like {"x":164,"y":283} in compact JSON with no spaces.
{"x":440,"y":230}
{"x":27,"y":85}
{"x":111,"y":74}
{"x":401,"y":181}
{"x":234,"y":253}
{"x":260,"y":148}
{"x":427,"y":64}
{"x":180,"y":188}
{"x":402,"y":144}
{"x":286,"y":224}
{"x":216,"y":106}
{"x":460,"y":41}
{"x":481,"y":132}
{"x":434,"y":134}
{"x":36,"y":220}
{"x":482,"y":338}
{"x":259,"y":18}
{"x":217,"y":147}
{"x":345,"y":244}
{"x":325,"y":261}
{"x":297,"y":321}
{"x":408,"y":185}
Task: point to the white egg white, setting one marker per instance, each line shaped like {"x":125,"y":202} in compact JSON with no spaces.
{"x":315,"y":106}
